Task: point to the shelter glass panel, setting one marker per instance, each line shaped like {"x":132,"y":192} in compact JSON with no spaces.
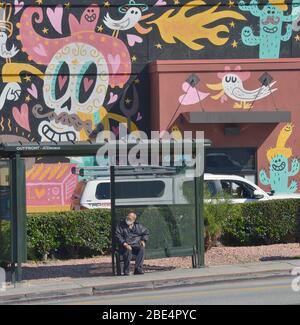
{"x":164,"y":200}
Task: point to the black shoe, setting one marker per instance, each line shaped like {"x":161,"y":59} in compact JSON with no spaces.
{"x":126,"y":273}
{"x":139,"y":272}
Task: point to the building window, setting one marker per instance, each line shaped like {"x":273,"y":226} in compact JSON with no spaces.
{"x":239,"y":161}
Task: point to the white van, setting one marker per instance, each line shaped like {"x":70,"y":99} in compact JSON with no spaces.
{"x":168,"y":190}
{"x":133,"y":191}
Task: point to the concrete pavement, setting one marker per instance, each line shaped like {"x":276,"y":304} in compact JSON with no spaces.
{"x":258,"y":291}
{"x":41,"y":290}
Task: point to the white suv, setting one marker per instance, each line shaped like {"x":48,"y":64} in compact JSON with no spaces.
{"x":168,"y":190}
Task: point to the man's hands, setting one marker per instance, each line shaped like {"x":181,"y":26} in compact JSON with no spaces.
{"x":127,"y":246}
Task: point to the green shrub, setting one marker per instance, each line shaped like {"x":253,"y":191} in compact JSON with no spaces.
{"x":214,"y":213}
{"x":85,"y":233}
{"x":42,"y":235}
{"x":4,"y":243}
{"x":68,"y":234}
{"x":260,"y":223}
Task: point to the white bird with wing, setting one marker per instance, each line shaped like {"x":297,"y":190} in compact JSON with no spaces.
{"x":4,"y":52}
{"x":6,"y":30}
{"x":133,"y":14}
{"x":233,"y":87}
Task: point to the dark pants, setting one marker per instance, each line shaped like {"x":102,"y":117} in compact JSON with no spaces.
{"x":139,"y":253}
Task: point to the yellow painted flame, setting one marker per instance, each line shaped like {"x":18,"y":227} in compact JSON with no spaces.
{"x":189,"y":28}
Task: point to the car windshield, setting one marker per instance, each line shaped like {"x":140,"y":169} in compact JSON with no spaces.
{"x":237,"y":189}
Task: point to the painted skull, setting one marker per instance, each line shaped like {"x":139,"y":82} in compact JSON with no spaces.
{"x":80,"y":68}
{"x":76,"y":81}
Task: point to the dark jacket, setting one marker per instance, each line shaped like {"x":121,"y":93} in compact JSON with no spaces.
{"x":131,"y":236}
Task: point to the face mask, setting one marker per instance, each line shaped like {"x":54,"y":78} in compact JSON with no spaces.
{"x":129,"y":222}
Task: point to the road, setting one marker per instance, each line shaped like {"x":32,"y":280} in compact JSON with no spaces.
{"x":257,"y":291}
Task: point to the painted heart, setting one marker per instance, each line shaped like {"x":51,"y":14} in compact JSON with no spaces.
{"x":33,"y":91}
{"x":18,"y":6}
{"x":21,"y":116}
{"x":115,"y":62}
{"x":116,"y":130}
{"x":139,"y":117}
{"x":132,"y":39}
{"x":112,"y":98}
{"x":62,"y":81}
{"x":55,"y":16}
{"x":87,"y":83}
{"x":160,"y":3}
{"x":192,"y":95}
{"x":40,"y":192}
{"x":40,"y":50}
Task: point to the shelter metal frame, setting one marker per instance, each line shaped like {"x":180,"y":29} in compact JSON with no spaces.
{"x":17,"y":152}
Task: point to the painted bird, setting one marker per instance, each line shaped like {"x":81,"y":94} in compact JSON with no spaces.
{"x":232,"y":86}
{"x":133,"y":14}
{"x":4,"y":52}
{"x":6,"y":30}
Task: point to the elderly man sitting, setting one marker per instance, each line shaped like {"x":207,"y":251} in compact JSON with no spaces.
{"x":132,"y":237}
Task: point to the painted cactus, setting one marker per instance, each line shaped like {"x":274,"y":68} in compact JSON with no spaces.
{"x":271,"y":22}
{"x":280,"y":174}
{"x":279,"y":165}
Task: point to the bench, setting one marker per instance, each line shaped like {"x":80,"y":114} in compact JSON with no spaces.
{"x":118,"y":262}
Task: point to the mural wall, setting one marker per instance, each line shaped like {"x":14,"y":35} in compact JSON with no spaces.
{"x":282,"y":166}
{"x":70,"y":70}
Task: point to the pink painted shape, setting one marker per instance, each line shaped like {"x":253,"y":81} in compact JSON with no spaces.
{"x":160,"y":3}
{"x":192,"y":95}
{"x":242,"y":75}
{"x":114,"y":61}
{"x":40,"y":50}
{"x":21,"y":116}
{"x":18,"y":6}
{"x":224,"y":99}
{"x":62,"y":81}
{"x":55,"y":16}
{"x":112,"y":98}
{"x":33,"y":91}
{"x":84,"y":24}
{"x":87,"y":83}
{"x":132,"y":39}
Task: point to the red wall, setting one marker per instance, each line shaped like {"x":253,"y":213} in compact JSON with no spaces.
{"x":168,"y":86}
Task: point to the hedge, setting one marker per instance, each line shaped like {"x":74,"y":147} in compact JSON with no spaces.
{"x":86,"y":233}
{"x":68,"y":234}
{"x":4,"y":242}
{"x":262,"y":223}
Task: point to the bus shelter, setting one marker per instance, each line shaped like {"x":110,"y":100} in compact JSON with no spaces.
{"x":168,"y":201}
{"x":175,"y":236}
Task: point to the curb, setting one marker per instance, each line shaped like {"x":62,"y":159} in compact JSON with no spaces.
{"x":136,"y":286}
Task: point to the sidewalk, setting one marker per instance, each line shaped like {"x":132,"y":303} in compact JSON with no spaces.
{"x":38,"y":290}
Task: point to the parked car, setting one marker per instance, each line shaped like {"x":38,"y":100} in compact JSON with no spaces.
{"x":169,"y":190}
{"x":241,"y":190}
